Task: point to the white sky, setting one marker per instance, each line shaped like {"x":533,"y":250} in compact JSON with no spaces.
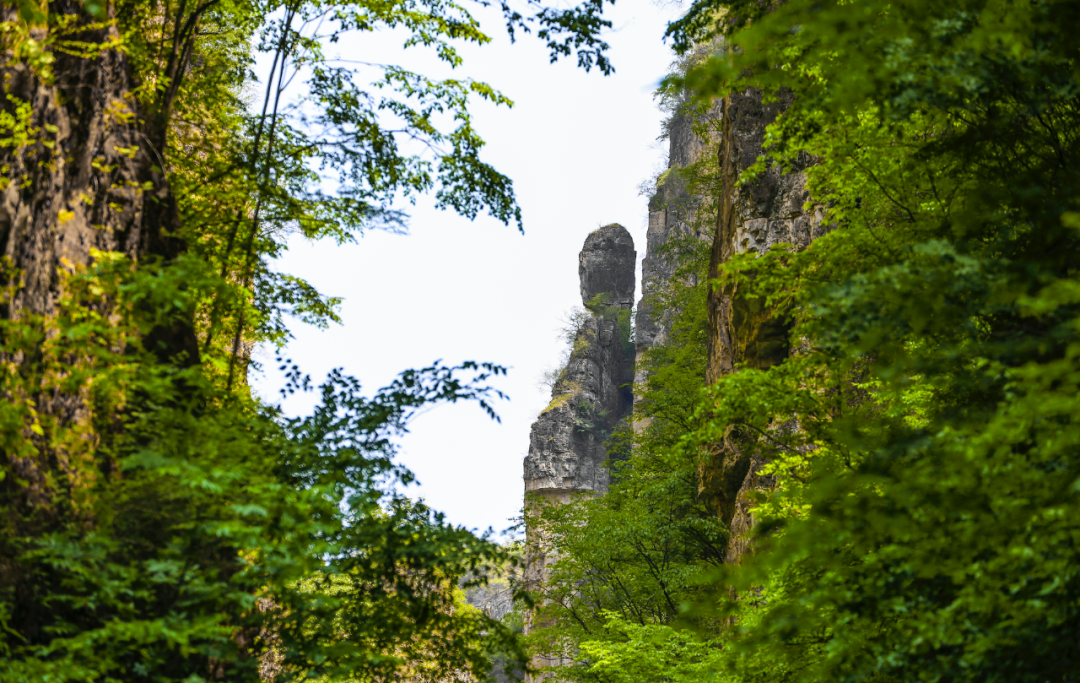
{"x":577,"y":146}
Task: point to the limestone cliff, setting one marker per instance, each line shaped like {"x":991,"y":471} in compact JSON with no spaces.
{"x":716,"y":144}
{"x":592,"y":393}
{"x":751,"y":217}
{"x":567,"y":446}
{"x":675,"y":210}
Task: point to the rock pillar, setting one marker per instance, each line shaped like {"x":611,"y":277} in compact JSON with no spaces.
{"x":567,"y":448}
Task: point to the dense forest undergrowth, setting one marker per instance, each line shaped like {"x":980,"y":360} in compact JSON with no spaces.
{"x":910,"y":429}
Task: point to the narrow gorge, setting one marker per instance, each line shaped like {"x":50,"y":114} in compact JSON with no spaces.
{"x":829,"y":443}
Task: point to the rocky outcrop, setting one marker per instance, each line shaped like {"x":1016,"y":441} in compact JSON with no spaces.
{"x":78,"y":177}
{"x":592,"y":393}
{"x":752,"y":217}
{"x":674,"y":211}
{"x":567,"y":446}
{"x":606,"y":267}
{"x":721,"y":142}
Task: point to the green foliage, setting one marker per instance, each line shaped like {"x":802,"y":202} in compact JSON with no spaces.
{"x":652,"y":652}
{"x":624,"y":326}
{"x":505,"y":585}
{"x":921,"y":437}
{"x":923,"y":527}
{"x":157,"y":523}
{"x":217,"y":532}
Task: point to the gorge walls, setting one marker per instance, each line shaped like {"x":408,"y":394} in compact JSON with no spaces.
{"x":675,"y":210}
{"x":697,"y":200}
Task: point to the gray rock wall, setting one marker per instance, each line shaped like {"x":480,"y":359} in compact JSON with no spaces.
{"x":674,"y":212}
{"x":566,"y":446}
{"x":567,"y":443}
{"x":723,"y":141}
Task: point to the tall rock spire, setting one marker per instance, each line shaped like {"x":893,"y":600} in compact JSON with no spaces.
{"x":606,"y":266}
{"x":592,"y":393}
{"x":567,"y":446}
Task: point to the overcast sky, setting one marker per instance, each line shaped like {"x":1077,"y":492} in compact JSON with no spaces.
{"x":577,"y":147}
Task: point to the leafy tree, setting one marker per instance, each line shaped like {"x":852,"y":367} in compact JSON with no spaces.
{"x":924,"y":523}
{"x":158,"y":523}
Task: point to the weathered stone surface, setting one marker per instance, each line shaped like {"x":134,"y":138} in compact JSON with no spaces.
{"x":567,"y":453}
{"x":673,"y":212}
{"x":752,"y":218}
{"x":84,"y":180}
{"x":606,"y":266}
{"x":496,"y":599}
{"x":567,"y":445}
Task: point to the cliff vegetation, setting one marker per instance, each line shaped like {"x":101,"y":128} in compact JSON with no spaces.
{"x":857,"y":456}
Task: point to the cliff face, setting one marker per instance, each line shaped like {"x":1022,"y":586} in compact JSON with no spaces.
{"x":591,"y":396}
{"x":734,"y":219}
{"x":84,"y":179}
{"x":567,"y":448}
{"x":674,"y":211}
{"x":752,"y":217}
